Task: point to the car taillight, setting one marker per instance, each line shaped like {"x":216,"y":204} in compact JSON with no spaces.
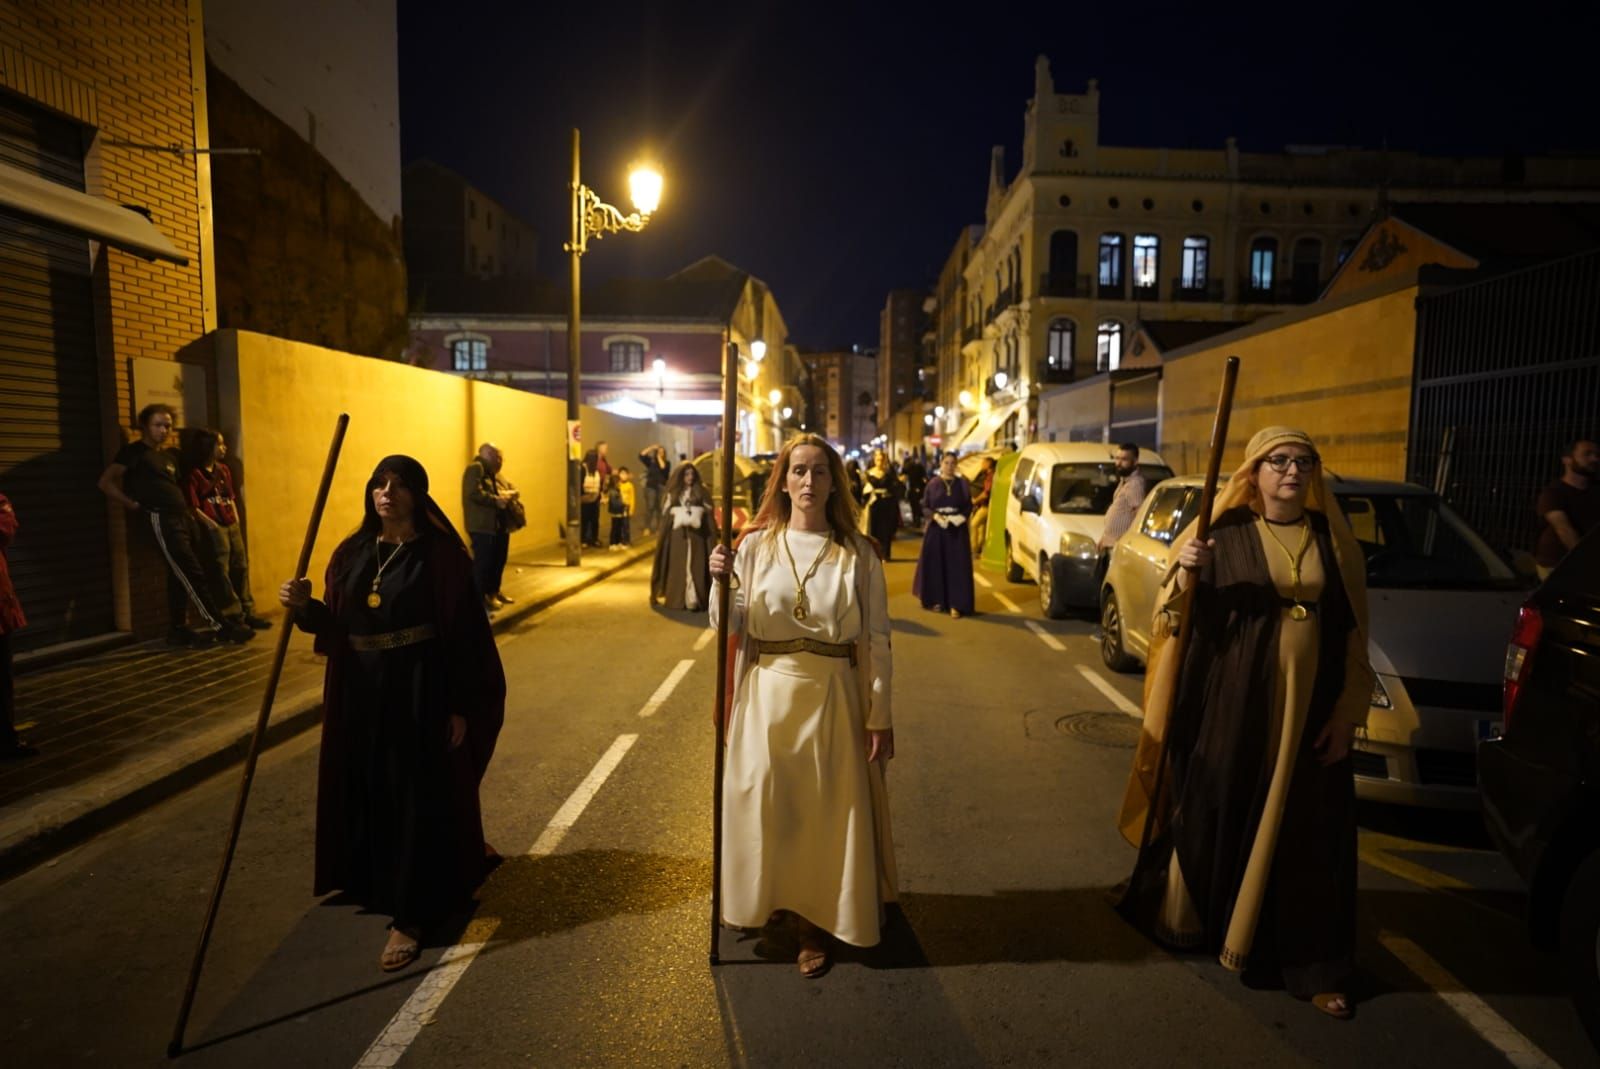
{"x":1519,"y":657}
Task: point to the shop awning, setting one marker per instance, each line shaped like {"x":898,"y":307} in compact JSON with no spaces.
{"x":977,"y":431}
{"x":85,"y":213}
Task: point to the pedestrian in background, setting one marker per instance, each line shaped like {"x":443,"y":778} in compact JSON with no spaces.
{"x":589,"y":500}
{"x":1125,"y":501}
{"x":620,"y":503}
{"x":413,"y":704}
{"x":488,"y":501}
{"x":143,"y":478}
{"x":944,"y":567}
{"x":1252,"y":854}
{"x":805,"y":813}
{"x":883,"y":489}
{"x":215,"y":508}
{"x":1569,"y":507}
{"x":656,"y":469}
{"x":982,"y":490}
{"x":12,"y":745}
{"x":680,"y":576}
{"x":916,"y":477}
{"x":858,"y":492}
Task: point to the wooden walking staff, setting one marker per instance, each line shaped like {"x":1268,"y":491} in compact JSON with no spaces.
{"x":730,"y":419}
{"x":1202,"y":530}
{"x":175,"y":1047}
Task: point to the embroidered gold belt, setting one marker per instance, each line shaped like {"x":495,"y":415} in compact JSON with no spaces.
{"x":392,"y":640}
{"x":846,"y":650}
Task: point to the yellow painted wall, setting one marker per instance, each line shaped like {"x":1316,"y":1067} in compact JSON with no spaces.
{"x":1388,"y":252}
{"x":1343,"y":377}
{"x":279,"y":401}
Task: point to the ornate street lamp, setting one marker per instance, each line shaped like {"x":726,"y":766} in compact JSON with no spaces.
{"x":593,"y":217}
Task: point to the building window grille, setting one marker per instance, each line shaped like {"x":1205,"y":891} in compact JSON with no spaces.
{"x":1263,"y":263}
{"x":1108,"y":346}
{"x":469,"y":354}
{"x":1146,"y":257}
{"x":1058,"y":351}
{"x":1196,"y":253}
{"x":1111,"y":260}
{"x":627,"y":356}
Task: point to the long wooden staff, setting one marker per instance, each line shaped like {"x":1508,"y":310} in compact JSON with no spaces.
{"x":730,"y":417}
{"x":175,"y":1047}
{"x":1202,"y":530}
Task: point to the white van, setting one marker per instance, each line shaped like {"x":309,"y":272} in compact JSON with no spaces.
{"x":1054,"y":516}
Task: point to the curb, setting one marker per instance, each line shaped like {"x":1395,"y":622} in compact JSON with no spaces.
{"x":69,"y":817}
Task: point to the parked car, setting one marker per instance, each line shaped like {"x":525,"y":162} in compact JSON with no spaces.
{"x":1441,"y":605}
{"x":1541,"y":774}
{"x":749,"y":483}
{"x":1055,"y":514}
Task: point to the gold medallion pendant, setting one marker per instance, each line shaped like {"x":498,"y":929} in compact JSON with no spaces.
{"x":1298,"y":612}
{"x":374,"y":600}
{"x":800,"y":610}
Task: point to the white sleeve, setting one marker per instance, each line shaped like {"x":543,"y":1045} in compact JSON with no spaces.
{"x":880,"y":668}
{"x":736,"y":599}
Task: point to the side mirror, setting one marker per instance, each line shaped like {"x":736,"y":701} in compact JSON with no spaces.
{"x":1030,"y":504}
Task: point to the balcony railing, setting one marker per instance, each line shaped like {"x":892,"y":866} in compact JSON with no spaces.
{"x":1209,"y":290}
{"x":1063,"y":284}
{"x":1151,"y":292}
{"x":1108,"y":291}
{"x":1055,"y":376}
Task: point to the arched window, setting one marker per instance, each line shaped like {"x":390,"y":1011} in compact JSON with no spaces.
{"x":1263,"y":264}
{"x":1059,"y":346}
{"x":1108,"y":346}
{"x":1307,"y":268}
{"x":1146,"y":266}
{"x":1062,"y":281}
{"x":1196,"y":261}
{"x":1112,"y":250}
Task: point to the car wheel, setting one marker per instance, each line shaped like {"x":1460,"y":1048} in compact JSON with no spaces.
{"x":1014,"y":572}
{"x":1050,"y":602}
{"x":1112,"y":651}
{"x":1580,"y":942}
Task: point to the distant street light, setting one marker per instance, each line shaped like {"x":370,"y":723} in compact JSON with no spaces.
{"x":594,"y":218}
{"x":1000,"y":380}
{"x":938,"y":410}
{"x":965,"y":399}
{"x":928,"y":419}
{"x":758,"y":350}
{"x":787,"y":411}
{"x":774,"y":397}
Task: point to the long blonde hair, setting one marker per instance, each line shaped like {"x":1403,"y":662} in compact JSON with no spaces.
{"x":776,"y":507}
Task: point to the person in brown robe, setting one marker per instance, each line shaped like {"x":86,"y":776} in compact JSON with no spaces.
{"x":413,"y":702}
{"x":1248,"y":846}
{"x":681,"y":575}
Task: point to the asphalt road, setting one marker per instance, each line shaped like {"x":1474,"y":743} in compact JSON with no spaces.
{"x":589,"y":946}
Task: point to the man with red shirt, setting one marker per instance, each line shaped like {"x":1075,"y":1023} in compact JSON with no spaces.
{"x":12,"y":745}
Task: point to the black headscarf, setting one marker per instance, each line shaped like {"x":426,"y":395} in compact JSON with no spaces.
{"x":415,"y":478}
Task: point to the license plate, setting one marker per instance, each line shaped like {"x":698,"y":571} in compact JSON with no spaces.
{"x":1490,"y":729}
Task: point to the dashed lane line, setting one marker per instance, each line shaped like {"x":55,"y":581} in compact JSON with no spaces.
{"x":1103,"y":685}
{"x":978,"y":578}
{"x":1011,"y":606}
{"x":1518,"y":1049}
{"x":668,"y":685}
{"x":705,"y":639}
{"x":424,"y":1003}
{"x":1044,"y":636}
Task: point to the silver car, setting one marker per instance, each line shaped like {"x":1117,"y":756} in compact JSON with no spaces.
{"x":1442,"y":604}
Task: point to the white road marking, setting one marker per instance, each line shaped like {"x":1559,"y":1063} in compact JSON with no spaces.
{"x":977,"y":577}
{"x":1011,"y":606}
{"x":1103,"y":685}
{"x":705,"y":639}
{"x":1519,"y":1050}
{"x":1044,"y":636}
{"x":419,"y":1009}
{"x":664,"y":691}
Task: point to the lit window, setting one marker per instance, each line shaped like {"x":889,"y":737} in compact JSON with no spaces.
{"x":1196,"y":251}
{"x":1059,"y":350}
{"x":627,"y":356}
{"x":1263,"y":263}
{"x":1146,"y":253}
{"x":469,"y":354}
{"x":1108,"y":346}
{"x":1110,"y":259}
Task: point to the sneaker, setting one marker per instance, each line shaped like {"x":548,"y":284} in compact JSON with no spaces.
{"x":256,"y":623}
{"x":180,"y":637}
{"x":235,"y":631}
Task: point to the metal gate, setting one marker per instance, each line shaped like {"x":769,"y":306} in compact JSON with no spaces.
{"x":50,"y":450}
{"x":1507,"y":373}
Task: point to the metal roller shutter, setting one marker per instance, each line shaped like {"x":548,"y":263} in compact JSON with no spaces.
{"x":50,"y":398}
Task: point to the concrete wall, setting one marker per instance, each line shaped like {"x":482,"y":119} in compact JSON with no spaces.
{"x":1344,"y":377}
{"x":279,"y":402}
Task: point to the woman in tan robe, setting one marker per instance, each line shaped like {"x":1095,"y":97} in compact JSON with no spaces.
{"x":679,"y":576}
{"x":805,"y":814}
{"x":1251,"y":852}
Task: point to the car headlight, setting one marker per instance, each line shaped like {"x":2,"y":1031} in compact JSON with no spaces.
{"x":1078,"y":545}
{"x":1380,"y":697}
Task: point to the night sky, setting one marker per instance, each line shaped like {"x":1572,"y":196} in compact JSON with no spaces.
{"x":836,"y":154}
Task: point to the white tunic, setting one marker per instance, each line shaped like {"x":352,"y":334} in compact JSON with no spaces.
{"x":805,"y":819}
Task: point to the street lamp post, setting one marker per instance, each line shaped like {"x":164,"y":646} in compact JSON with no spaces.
{"x":592,"y":217}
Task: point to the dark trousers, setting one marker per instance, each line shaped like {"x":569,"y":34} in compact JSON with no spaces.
{"x":589,"y":525}
{"x":620,"y":533}
{"x":652,"y":507}
{"x":8,"y":695}
{"x":489,"y":559}
{"x":187,"y":580}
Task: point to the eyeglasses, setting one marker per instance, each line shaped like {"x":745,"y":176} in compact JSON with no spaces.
{"x":1280,"y":462}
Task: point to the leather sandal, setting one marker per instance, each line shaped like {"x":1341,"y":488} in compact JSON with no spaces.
{"x":397,"y":956}
{"x":814,"y":959}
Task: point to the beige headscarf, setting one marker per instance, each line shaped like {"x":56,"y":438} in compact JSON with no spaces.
{"x":1161,"y":675}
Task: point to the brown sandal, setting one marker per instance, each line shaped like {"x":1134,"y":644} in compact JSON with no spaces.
{"x":397,"y":956}
{"x":814,"y":960}
{"x":1333,"y":1004}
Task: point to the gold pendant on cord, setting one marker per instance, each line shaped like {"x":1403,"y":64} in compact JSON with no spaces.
{"x":1298,"y":612}
{"x":800,"y":609}
{"x":374,"y":599}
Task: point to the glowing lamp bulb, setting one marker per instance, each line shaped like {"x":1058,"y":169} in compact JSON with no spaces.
{"x":644,"y":183}
{"x":1000,"y":380}
{"x":758,"y":349}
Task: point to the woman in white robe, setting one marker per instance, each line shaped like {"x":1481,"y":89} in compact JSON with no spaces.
{"x":805,"y":814}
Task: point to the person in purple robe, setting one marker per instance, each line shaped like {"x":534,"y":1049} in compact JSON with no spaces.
{"x":944,"y":569}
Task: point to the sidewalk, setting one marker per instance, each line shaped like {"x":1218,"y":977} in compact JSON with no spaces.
{"x":122,"y":730}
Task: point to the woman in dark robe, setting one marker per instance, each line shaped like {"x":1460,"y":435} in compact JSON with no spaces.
{"x":589,"y":500}
{"x":682,"y":576}
{"x":412,"y":704}
{"x":882,"y":489}
{"x":944,"y":569}
{"x":852,"y":470}
{"x":1250,"y":852}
